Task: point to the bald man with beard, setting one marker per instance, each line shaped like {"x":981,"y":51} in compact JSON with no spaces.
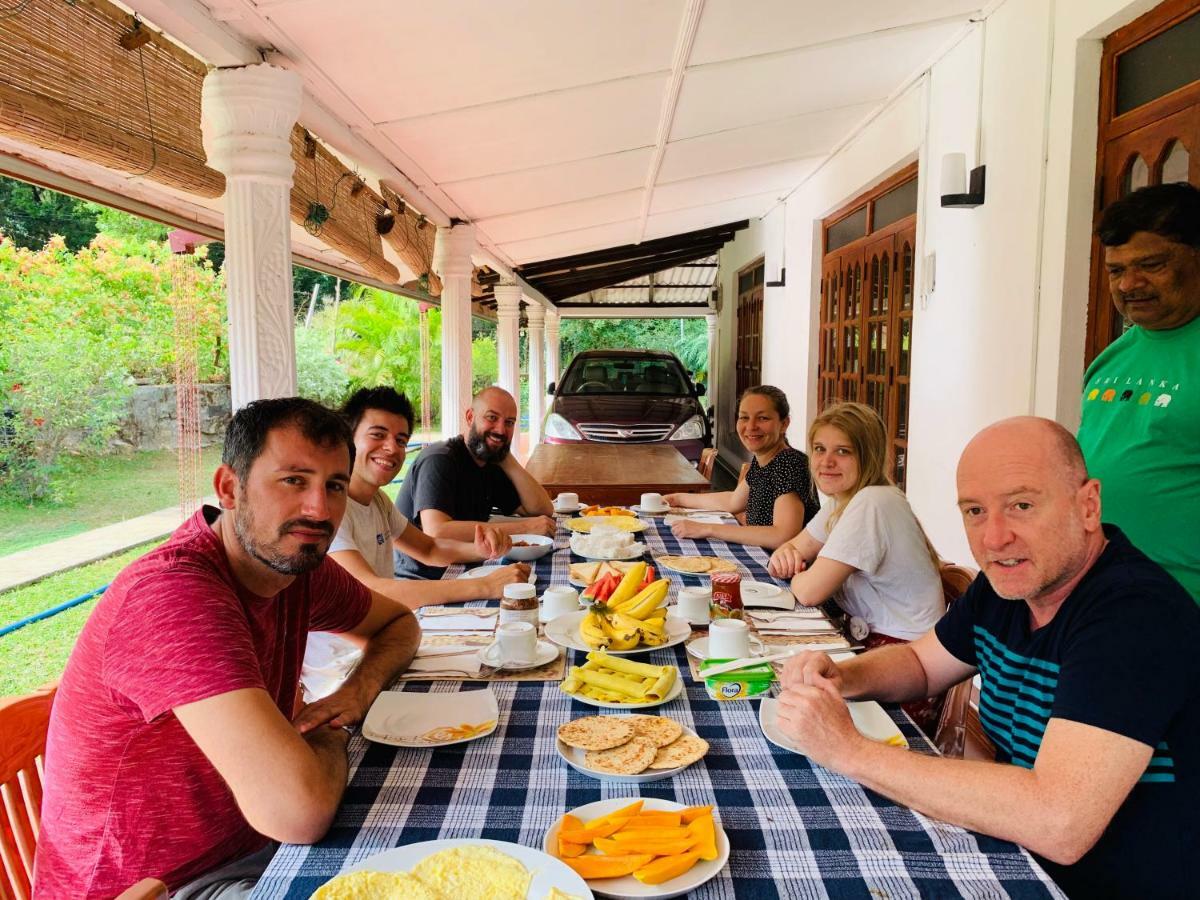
{"x":1090,"y":682}
{"x":457,"y":483}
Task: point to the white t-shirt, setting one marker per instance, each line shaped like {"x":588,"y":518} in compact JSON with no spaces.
{"x":368,"y":528}
{"x":896,"y":589}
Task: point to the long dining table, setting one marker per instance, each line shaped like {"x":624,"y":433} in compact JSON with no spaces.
{"x":795,"y":829}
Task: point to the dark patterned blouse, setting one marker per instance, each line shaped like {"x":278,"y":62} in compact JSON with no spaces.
{"x":787,"y":473}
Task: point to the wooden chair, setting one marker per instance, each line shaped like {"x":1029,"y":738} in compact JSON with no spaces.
{"x":708,"y":459}
{"x":23,"y":724}
{"x":146,"y":889}
{"x":960,"y":734}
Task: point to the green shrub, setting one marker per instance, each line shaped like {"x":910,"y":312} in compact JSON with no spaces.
{"x":319,"y":376}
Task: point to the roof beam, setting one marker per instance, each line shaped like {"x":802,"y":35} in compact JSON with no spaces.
{"x":613,"y":274}
{"x":627,"y":251}
{"x":666,"y":116}
{"x":594,"y":311}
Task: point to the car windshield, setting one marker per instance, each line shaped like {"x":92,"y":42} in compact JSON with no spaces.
{"x":625,"y":375}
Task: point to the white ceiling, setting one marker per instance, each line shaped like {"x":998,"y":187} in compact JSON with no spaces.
{"x":562,"y":126}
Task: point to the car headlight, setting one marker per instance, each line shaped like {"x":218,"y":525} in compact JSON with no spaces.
{"x":691,"y":430}
{"x":557,"y":426}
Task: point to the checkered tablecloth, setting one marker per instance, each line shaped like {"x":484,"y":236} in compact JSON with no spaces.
{"x":795,"y":829}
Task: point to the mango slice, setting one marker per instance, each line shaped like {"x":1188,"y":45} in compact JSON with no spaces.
{"x":608,"y":866}
{"x":665,"y":868}
{"x":694,"y":812}
{"x":705,"y":832}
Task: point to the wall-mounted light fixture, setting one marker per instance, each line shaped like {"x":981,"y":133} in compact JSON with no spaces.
{"x":782,"y":278}
{"x":955,"y":190}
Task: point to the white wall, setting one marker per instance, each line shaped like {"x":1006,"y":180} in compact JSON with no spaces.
{"x":1002,"y":331}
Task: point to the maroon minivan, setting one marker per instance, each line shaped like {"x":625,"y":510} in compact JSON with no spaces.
{"x":628,"y":397}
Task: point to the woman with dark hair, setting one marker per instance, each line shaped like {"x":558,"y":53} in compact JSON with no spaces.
{"x":777,"y":495}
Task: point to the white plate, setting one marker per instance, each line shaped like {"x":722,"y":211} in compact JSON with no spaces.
{"x":541,"y":546}
{"x":628,"y":887}
{"x":568,"y":510}
{"x":411,"y":719}
{"x":481,"y":571}
{"x":547,"y":871}
{"x":675,"y":691}
{"x":574,"y":757}
{"x":868,"y":716}
{"x":633,"y":554}
{"x":545,"y":652}
{"x":763,"y":593}
{"x":564,"y":631}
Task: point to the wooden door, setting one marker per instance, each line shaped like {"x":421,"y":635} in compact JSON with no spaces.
{"x":1149,"y":128}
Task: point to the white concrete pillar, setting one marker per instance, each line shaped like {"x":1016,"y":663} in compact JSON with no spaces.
{"x":535,"y":315}
{"x":553,"y":320}
{"x":246,"y":123}
{"x":714,"y":358}
{"x":508,"y":341}
{"x":452,"y":262}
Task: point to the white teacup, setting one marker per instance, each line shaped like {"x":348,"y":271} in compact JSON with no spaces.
{"x":729,"y":639}
{"x":652,"y":502}
{"x":694,"y":603}
{"x":557,"y":601}
{"x":566,"y":501}
{"x":516,"y":642}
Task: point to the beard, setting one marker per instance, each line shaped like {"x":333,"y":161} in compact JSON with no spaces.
{"x":305,"y":559}
{"x":478,"y":445}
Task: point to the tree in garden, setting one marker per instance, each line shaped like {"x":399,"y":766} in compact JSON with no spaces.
{"x":31,"y":215}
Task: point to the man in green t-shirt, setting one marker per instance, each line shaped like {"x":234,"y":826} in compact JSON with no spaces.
{"x":1140,"y":431}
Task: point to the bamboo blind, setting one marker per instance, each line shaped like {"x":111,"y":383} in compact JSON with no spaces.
{"x":67,"y":84}
{"x":350,"y":228}
{"x":412,"y":244}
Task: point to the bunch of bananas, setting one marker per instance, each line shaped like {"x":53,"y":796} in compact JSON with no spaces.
{"x":629,"y":617}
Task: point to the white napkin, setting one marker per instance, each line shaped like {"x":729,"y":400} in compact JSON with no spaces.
{"x":466,"y":660}
{"x":460,"y":623}
{"x":796,"y":626}
{"x":799,"y":612}
{"x":711,"y":518}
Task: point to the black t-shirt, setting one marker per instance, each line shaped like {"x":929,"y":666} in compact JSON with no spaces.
{"x":787,"y":473}
{"x":445,"y":477}
{"x":1122,"y":654}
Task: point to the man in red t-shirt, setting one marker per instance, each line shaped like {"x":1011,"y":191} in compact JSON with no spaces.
{"x":172,"y":749}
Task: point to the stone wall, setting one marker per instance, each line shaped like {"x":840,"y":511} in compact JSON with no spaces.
{"x":150,"y":423}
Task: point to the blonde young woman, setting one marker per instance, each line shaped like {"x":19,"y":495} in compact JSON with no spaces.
{"x":777,"y":495}
{"x":866,"y":547}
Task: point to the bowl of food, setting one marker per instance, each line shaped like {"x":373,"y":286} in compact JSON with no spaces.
{"x":527,"y":547}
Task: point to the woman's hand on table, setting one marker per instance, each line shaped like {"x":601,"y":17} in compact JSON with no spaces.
{"x":491,"y":542}
{"x":677,"y":500}
{"x":546,"y":526}
{"x":687,"y":528}
{"x":786,"y":561}
{"x":515,"y":573}
{"x":817,"y":720}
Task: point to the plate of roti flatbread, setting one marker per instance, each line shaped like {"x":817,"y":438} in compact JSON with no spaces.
{"x":696,"y":565}
{"x":631,"y":749}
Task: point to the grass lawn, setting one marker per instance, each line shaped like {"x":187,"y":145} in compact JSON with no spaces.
{"x":96,"y":491}
{"x":37,"y":653}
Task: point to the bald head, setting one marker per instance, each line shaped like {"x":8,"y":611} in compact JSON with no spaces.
{"x":491,"y":423}
{"x":494,"y":398}
{"x":1040,"y":441}
{"x":1031,"y":513}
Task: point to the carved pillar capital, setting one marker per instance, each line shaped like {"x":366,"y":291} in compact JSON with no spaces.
{"x":246,"y":121}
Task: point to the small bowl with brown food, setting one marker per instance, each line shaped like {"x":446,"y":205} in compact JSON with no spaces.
{"x":526,"y":547}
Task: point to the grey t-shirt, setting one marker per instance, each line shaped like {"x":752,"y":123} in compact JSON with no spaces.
{"x":445,"y":477}
{"x":370,"y":529}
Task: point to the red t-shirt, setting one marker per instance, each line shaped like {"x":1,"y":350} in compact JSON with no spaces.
{"x":128,"y":794}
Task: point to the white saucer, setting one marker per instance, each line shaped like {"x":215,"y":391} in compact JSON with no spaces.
{"x":545,"y":652}
{"x":699,"y":648}
{"x":567,"y":510}
{"x":643,"y":511}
